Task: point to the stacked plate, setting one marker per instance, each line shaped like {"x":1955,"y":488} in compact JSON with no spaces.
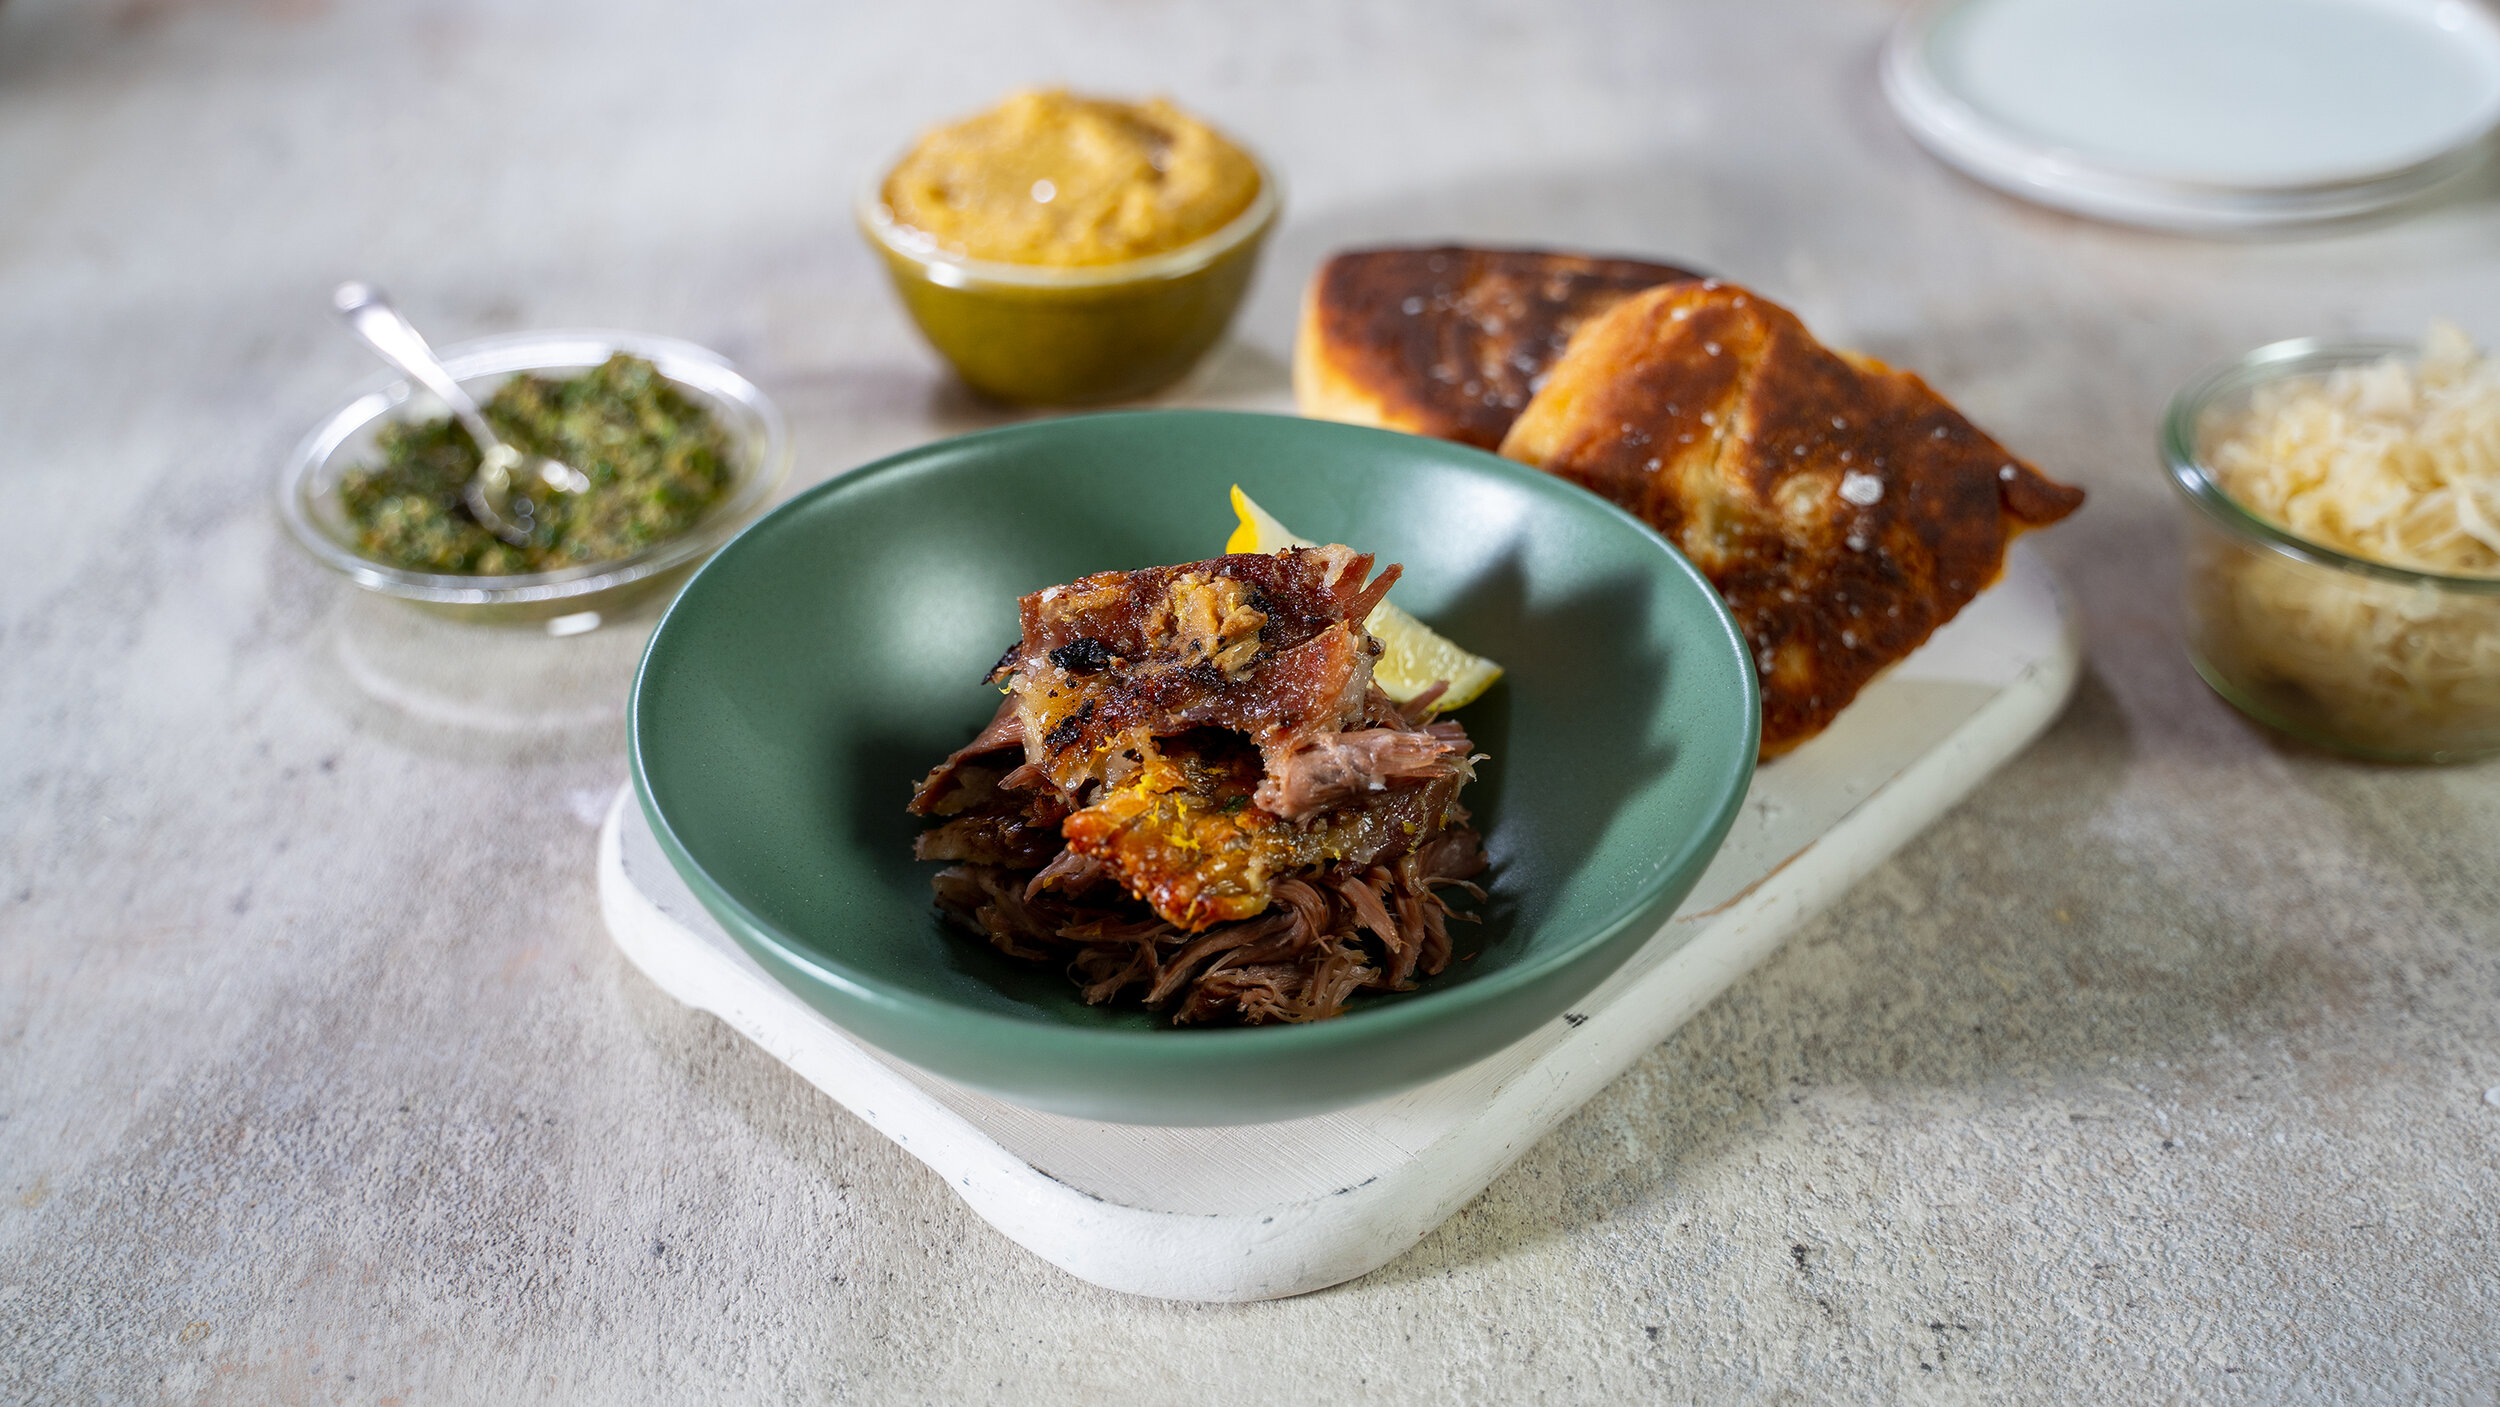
{"x":2201,"y":115}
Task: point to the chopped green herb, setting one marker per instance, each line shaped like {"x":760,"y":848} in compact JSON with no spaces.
{"x":656,"y":461}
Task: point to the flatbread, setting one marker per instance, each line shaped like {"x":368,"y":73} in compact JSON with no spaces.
{"x":1843,"y":509}
{"x":1445,"y":341}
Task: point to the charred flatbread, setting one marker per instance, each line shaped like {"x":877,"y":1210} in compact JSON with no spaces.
{"x":1842,"y":508}
{"x":1445,"y":341}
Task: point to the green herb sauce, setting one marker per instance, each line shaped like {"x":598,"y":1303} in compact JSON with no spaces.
{"x":655,"y":458}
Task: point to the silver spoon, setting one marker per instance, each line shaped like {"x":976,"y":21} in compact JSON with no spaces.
{"x":489,"y":491}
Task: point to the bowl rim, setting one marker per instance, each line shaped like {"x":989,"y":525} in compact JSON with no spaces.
{"x":1357,"y":1027}
{"x":684,"y":363}
{"x":876,"y":221}
{"x":2279,"y":361}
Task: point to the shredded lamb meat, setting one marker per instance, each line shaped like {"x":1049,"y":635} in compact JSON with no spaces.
{"x":1195,"y":796}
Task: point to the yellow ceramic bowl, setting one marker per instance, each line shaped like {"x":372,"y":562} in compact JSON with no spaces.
{"x":1035,"y":334}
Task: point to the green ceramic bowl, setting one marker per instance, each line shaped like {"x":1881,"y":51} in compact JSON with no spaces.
{"x":818,"y":666}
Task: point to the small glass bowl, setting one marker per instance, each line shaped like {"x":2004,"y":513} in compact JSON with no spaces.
{"x":570,"y":599}
{"x":2356,"y":655}
{"x":1034,"y":334}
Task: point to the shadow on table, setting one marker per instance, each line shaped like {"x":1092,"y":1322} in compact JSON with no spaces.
{"x":513,"y":695}
{"x":1955,"y":968}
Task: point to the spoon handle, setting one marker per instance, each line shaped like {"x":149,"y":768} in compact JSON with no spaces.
{"x":370,"y":316}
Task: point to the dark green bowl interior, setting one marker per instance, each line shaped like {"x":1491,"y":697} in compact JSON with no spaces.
{"x":814,"y":670}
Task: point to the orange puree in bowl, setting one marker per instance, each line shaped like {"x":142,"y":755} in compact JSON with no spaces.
{"x":1050,"y":178}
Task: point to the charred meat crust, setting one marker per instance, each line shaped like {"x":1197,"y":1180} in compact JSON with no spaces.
{"x":1194,"y":794}
{"x":1082,"y":655}
{"x":1269,"y":645}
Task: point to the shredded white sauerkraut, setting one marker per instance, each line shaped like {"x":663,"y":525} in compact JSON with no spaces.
{"x":2397,"y":462}
{"x":2383,"y":461}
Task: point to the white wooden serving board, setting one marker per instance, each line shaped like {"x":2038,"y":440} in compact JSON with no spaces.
{"x":1268,"y":1210}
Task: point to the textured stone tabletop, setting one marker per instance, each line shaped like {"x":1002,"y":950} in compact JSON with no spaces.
{"x":2158,"y":1070}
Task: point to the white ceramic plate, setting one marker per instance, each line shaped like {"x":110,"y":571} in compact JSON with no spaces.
{"x":1257,"y":1211}
{"x":2201,"y":114}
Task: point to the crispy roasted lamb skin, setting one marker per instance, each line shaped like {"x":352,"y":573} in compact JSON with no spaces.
{"x":1842,"y":508}
{"x":1195,"y":791}
{"x":1446,"y":341}
{"x":1269,"y":645}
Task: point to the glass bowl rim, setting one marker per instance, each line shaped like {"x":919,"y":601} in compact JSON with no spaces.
{"x":2276,"y":361}
{"x":876,"y":221}
{"x":511,"y":353}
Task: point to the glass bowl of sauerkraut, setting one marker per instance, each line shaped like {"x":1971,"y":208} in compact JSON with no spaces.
{"x":2343,"y":541}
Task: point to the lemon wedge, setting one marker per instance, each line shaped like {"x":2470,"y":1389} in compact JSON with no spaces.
{"x":1415,"y":658}
{"x":1258,"y":530}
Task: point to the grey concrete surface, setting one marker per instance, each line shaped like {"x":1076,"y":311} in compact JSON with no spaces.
{"x":2156,"y":1072}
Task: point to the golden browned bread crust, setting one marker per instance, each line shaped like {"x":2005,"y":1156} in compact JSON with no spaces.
{"x":1842,"y":508}
{"x":1446,"y":341}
